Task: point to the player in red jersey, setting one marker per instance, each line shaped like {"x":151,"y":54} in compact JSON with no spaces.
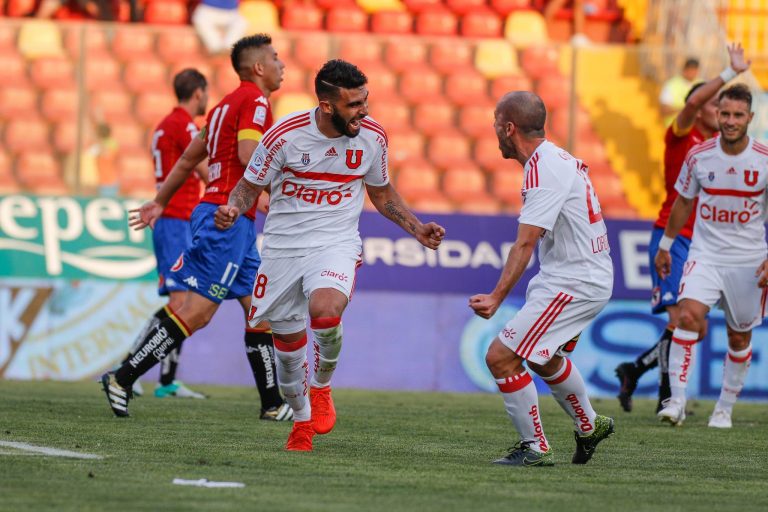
{"x":218,"y":265}
{"x":694,"y":124}
{"x":172,"y":234}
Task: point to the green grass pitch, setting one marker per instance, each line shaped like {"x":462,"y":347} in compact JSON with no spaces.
{"x":390,"y":451}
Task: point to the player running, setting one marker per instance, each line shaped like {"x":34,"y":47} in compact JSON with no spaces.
{"x":218,"y":265}
{"x":696,"y":123}
{"x":318,"y":162}
{"x":727,"y":262}
{"x":562,"y":214}
{"x":172,"y":234}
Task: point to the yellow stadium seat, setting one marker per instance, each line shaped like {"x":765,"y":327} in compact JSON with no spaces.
{"x":288,"y":103}
{"x":371,"y":6}
{"x":261,"y":16}
{"x":495,"y":58}
{"x":526,"y":28}
{"x":40,"y":38}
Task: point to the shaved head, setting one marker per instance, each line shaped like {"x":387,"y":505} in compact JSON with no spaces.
{"x":525,"y":110}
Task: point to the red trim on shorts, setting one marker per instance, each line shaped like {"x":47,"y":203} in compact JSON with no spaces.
{"x":740,"y":359}
{"x":258,"y":329}
{"x":324,"y":322}
{"x":570,"y":346}
{"x":533,"y":336}
{"x":324,"y":176}
{"x":515,"y":383}
{"x":732,"y":192}
{"x":565,"y":374}
{"x":290,"y":347}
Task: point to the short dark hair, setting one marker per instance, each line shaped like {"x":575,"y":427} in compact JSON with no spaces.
{"x":186,"y":82}
{"x":336,"y":74}
{"x":738,"y":92}
{"x":255,"y":41}
{"x":693,"y":90}
{"x":691,"y":62}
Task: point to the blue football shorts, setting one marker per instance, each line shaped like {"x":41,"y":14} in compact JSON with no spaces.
{"x":170,"y":238}
{"x":665,"y":291}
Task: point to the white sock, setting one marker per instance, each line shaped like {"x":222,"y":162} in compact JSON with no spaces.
{"x":522,"y":404}
{"x":328,"y":334}
{"x":292,"y":368}
{"x":569,"y":390}
{"x":734,"y":374}
{"x":681,"y":359}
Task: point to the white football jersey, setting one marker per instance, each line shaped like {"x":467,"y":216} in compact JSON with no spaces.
{"x":558,"y":196}
{"x":730,"y":215}
{"x":317,"y":183}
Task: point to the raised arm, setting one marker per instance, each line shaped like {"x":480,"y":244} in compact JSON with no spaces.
{"x":389,"y":203}
{"x":485,"y":305}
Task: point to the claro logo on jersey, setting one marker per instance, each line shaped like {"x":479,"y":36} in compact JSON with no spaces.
{"x":314,"y":196}
{"x":712,"y":213}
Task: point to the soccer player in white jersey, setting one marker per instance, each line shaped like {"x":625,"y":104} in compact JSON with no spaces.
{"x":727,"y":261}
{"x":562,"y":214}
{"x":318,"y":163}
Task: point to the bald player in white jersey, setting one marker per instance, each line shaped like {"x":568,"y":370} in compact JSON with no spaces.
{"x":317,"y":163}
{"x":560,"y":212}
{"x":727,"y":262}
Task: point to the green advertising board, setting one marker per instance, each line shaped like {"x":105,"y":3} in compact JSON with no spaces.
{"x":72,"y":238}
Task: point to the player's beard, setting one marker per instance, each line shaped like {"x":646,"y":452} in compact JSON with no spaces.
{"x":341,"y":125}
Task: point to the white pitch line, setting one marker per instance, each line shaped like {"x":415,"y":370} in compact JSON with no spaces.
{"x":53,"y":452}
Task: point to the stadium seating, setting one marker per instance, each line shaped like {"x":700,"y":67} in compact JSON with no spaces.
{"x":40,"y":173}
{"x":166,"y":12}
{"x":40,"y":38}
{"x":301,"y":16}
{"x":346,"y":18}
{"x":391,"y":22}
{"x":262,"y":16}
{"x":14,"y":69}
{"x":8,"y":183}
{"x":448,"y":149}
{"x":436,"y":21}
{"x":52,"y":72}
{"x":450,"y":56}
{"x":526,"y":28}
{"x":59,"y":104}
{"x":495,"y":58}
{"x":481,"y":22}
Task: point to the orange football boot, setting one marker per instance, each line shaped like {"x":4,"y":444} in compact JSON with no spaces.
{"x":323,"y":411}
{"x":300,"y":439}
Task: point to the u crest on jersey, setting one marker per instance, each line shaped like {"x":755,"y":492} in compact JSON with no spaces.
{"x":750,"y":177}
{"x":354,"y":158}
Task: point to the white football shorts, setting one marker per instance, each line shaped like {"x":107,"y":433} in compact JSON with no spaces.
{"x":733,"y":288}
{"x":547,"y":323}
{"x":283,"y":286}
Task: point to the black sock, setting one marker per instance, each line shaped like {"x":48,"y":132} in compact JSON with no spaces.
{"x":168,"y":366}
{"x":648,"y":359}
{"x":261,"y":355}
{"x":159,"y":315}
{"x":155,"y":346}
{"x":664,"y":391}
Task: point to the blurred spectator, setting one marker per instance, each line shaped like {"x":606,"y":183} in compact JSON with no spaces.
{"x":219,"y":24}
{"x":674,"y":90}
{"x":97,"y":172}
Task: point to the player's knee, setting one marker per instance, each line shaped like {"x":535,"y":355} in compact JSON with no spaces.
{"x":688,"y":320}
{"x":195,"y":320}
{"x":738,"y":341}
{"x":501,"y":360}
{"x":327,"y":303}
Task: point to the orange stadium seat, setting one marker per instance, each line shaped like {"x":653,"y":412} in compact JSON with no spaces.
{"x":540,"y":61}
{"x":202,"y":65}
{"x":112,"y":105}
{"x":417,"y":180}
{"x":175,"y":45}
{"x":166,"y":12}
{"x":131,"y":136}
{"x":419,"y":85}
{"x":488,"y":156}
{"x":476,"y":120}
{"x":436,"y":21}
{"x":526,"y":28}
{"x":59,"y":104}
{"x":145,"y":75}
{"x":451,"y":55}
{"x":406,"y":146}
{"x":17,"y":102}
{"x":433,"y":204}
{"x":382,"y":83}
{"x":134,"y":42}
{"x":101,"y":72}
{"x":434,"y":117}
{"x":466,"y":87}
{"x":312,"y":51}
{"x":151,"y":107}
{"x":504,"y":7}
{"x":361,"y":51}
{"x":225,"y":79}
{"x":464,"y":182}
{"x":419,"y":5}
{"x":93,"y":36}
{"x":559,"y":122}
{"x":480,"y":206}
{"x":505,"y":84}
{"x":294,"y":78}
{"x":136,"y":176}
{"x":52,"y":72}
{"x":393,"y":115}
{"x":405,"y":54}
{"x":495,"y":58}
{"x":555,"y":91}
{"x":330,"y":4}
{"x":19,"y":8}
{"x":302,"y":16}
{"x":39,"y":172}
{"x":8,"y":183}
{"x":39,"y":38}
{"x":346,"y":18}
{"x":391,"y":22}
{"x":481,"y":23}
{"x":7,"y":38}
{"x":448,"y":149}
{"x":464,"y":6}
{"x":14,"y":69}
{"x":507,"y":184}
{"x":65,"y":136}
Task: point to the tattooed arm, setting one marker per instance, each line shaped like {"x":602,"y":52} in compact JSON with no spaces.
{"x":389,"y":203}
{"x":241,"y":199}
